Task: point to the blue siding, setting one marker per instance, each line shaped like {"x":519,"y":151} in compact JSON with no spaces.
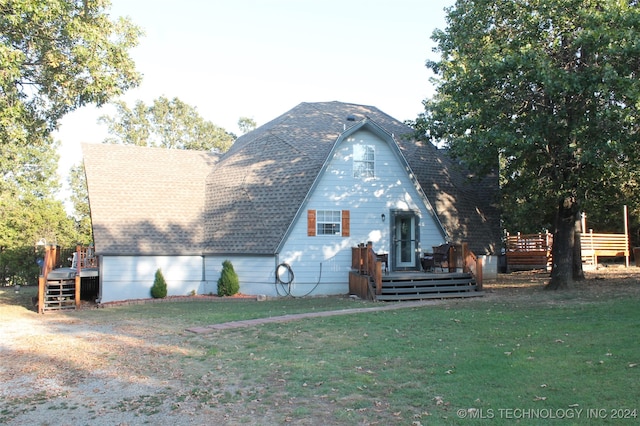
{"x":256,"y":273}
{"x":327,"y":259}
{"x":321,"y":263}
{"x":131,"y":277}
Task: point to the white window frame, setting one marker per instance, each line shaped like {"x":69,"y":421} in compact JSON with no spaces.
{"x":328,"y":222}
{"x":364,"y":161}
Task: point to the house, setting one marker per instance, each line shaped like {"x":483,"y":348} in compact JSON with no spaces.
{"x":285,"y":205}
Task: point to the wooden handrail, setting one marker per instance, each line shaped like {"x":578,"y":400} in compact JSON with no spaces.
{"x":365,"y":261}
{"x":374,"y":268}
{"x":48,"y":264}
{"x":472,"y":264}
{"x":85,"y":258}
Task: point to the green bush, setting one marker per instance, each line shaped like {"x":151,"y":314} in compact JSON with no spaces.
{"x":228,"y":283}
{"x":159,"y":288}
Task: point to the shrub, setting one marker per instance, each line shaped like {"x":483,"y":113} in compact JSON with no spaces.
{"x":228,"y":283}
{"x":159,"y":288}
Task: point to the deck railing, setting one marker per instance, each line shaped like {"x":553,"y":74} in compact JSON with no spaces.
{"x":84,"y":257}
{"x":535,"y":249}
{"x":367,"y":268}
{"x":365,"y":261}
{"x":594,"y":245}
{"x":471,"y":264}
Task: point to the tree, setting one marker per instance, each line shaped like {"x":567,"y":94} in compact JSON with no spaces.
{"x":548,"y":87}
{"x":166,"y":123}
{"x":80,"y":201}
{"x":24,"y":222}
{"x":228,"y":283}
{"x":246,"y":124}
{"x":55,"y":56}
{"x":159,"y":287}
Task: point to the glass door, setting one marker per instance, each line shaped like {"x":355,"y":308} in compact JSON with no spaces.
{"x":405,"y":241}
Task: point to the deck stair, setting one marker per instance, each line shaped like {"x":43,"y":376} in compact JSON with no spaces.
{"x":61,"y":287}
{"x":420,"y":285}
{"x":59,"y":295}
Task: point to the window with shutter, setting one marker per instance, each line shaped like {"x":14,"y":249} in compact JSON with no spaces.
{"x":328,"y":222}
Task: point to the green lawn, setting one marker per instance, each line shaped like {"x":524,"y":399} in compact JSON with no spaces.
{"x":425,"y":364}
{"x":533,"y":357}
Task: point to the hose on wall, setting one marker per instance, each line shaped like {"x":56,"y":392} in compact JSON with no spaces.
{"x":286,"y":285}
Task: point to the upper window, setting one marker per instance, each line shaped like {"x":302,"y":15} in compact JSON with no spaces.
{"x":364,"y":161}
{"x":328,"y":222}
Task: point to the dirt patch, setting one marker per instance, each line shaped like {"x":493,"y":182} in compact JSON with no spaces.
{"x":58,"y":369}
{"x":611,"y":282}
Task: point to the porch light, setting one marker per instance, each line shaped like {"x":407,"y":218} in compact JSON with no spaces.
{"x":383,"y":216}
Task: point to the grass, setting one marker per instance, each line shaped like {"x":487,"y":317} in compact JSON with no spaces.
{"x":428,"y":363}
{"x":526,"y":355}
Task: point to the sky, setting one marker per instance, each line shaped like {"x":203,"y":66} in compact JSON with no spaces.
{"x":261,"y":58}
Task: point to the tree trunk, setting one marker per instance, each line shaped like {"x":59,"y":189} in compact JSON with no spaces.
{"x":564,"y":245}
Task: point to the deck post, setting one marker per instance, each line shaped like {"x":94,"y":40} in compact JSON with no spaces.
{"x":78,"y":280}
{"x":41,"y":284}
{"x":452,"y":259}
{"x":626,"y":235}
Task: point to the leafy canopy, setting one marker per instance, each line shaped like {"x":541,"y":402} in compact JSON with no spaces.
{"x":165,"y":123}
{"x":55,"y":56}
{"x":548,"y":90}
{"x":548,"y":87}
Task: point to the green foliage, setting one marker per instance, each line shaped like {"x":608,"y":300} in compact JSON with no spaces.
{"x":56,"y":56}
{"x":159,"y":288}
{"x":166,"y":123}
{"x":228,"y":283}
{"x":246,"y":124}
{"x":23,"y":222}
{"x":80,"y":200}
{"x":549,"y":88}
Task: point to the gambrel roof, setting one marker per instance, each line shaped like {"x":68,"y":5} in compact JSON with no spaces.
{"x":157,"y":201}
{"x":255,"y":191}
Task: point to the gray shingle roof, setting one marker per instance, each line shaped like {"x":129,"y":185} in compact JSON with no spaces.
{"x":157,"y":201}
{"x":146,"y":200}
{"x":254,"y":192}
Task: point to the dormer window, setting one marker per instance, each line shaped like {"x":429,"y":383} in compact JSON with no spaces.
{"x":364,"y":161}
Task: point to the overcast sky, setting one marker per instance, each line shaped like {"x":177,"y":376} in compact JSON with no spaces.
{"x":260,"y":58}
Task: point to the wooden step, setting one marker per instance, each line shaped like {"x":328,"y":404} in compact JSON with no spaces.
{"x":416,"y":286}
{"x":428,"y":283}
{"x":59,"y":295}
{"x":424,"y":296}
{"x":429,"y":289}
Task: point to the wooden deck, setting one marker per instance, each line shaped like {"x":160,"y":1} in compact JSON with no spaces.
{"x":533,"y":251}
{"x":462,"y":279}
{"x":63,"y":288}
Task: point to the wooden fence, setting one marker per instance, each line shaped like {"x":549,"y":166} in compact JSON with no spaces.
{"x":528,"y":251}
{"x":594,"y":245}
{"x":533,"y":251}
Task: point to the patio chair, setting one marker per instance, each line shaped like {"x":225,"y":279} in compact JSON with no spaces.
{"x":427,"y":262}
{"x":384,"y":258}
{"x":440,"y":256}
